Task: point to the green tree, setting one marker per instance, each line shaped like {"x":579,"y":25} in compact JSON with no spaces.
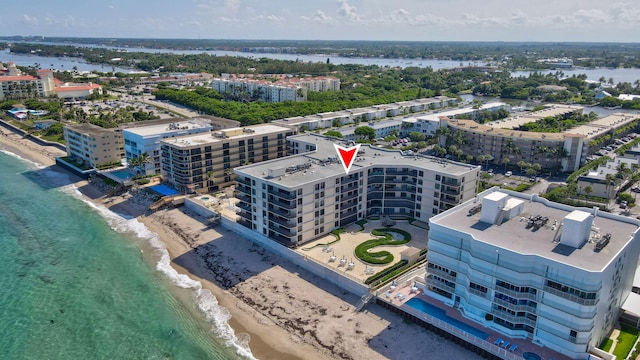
{"x":417,"y":136}
{"x":334,"y":133}
{"x":365,"y":132}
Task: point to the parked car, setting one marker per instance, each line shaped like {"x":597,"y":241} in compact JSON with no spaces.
{"x":508,"y":173}
{"x":532,"y":179}
{"x":623,"y":204}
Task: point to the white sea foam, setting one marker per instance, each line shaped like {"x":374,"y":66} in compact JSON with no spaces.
{"x":206,"y":301}
{"x":32,"y":164}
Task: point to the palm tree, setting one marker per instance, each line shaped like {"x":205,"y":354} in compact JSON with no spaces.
{"x":521,"y":164}
{"x":610,"y":181}
{"x":142,"y":160}
{"x":505,"y":162}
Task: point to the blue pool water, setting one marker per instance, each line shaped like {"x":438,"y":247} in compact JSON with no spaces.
{"x":164,"y":190}
{"x":442,"y":315}
{"x":122,"y":174}
{"x":531,"y":356}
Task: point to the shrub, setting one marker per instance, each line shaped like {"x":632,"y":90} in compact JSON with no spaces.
{"x":387,"y":273}
{"x":361,"y":223}
{"x":380,"y":257}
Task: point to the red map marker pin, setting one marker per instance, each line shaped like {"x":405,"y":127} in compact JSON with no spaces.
{"x":347,"y":156}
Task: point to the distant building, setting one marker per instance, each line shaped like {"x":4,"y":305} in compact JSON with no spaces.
{"x":601,"y":95}
{"x":628,"y":97}
{"x":205,"y":162}
{"x":533,"y":269}
{"x":93,"y":146}
{"x":15,"y":85}
{"x":77,"y":90}
{"x":429,"y":123}
{"x":365,"y":114}
{"x":607,"y":179}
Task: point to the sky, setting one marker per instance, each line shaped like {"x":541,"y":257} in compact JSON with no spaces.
{"x":411,"y":20}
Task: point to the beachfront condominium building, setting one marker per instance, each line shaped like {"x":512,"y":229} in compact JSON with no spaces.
{"x":146,"y":139}
{"x":298,"y":198}
{"x":205,"y":162}
{"x":16,"y":85}
{"x":93,"y":145}
{"x":533,"y":269}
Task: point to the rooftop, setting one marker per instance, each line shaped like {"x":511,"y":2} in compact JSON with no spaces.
{"x":513,"y":236}
{"x":604,"y":124}
{"x":436,"y":115}
{"x":519,"y":120}
{"x":90,"y":129}
{"x":177,"y":126}
{"x":324,"y":163}
{"x":226,"y":134}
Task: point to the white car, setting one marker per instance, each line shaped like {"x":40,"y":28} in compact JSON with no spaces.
{"x":508,"y":173}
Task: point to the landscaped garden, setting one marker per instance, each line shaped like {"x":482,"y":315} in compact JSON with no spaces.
{"x":383,"y":256}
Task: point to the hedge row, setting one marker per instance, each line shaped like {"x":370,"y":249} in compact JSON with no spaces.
{"x":380,"y":257}
{"x":335,"y":232}
{"x":387,"y":273}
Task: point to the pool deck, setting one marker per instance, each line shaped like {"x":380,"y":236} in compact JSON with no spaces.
{"x":403,"y":293}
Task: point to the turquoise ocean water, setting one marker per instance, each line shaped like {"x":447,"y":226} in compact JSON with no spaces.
{"x":79,"y":282}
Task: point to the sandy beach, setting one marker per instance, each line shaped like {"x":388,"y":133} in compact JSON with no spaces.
{"x":284,"y":311}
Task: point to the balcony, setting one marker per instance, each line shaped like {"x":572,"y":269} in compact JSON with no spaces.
{"x":513,"y":319}
{"x":345,"y":197}
{"x":244,"y":180}
{"x":477,"y":293}
{"x":513,"y":307}
{"x":442,"y":274}
{"x":244,"y":189}
{"x":245,"y":213}
{"x":283,"y":222}
{"x":376,"y":179}
{"x":281,"y":212}
{"x":284,"y":204}
{"x":449,"y":200}
{"x":564,"y":295}
{"x":243,"y":197}
{"x":516,"y":294}
{"x":440,"y":284}
{"x":282,"y":194}
{"x":345,"y":214}
{"x":244,"y":222}
{"x":284,"y":232}
{"x":450,"y":191}
{"x":346,"y":180}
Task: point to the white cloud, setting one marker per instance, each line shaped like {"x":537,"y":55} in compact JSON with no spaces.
{"x":30,"y":20}
{"x":348,"y":11}
{"x":519,"y":17}
{"x":226,"y":19}
{"x":272,"y":18}
{"x":318,"y":16}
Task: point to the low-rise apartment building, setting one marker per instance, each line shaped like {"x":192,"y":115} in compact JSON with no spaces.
{"x":532,"y":269}
{"x":93,"y":145}
{"x":205,"y":162}
{"x":298,"y":198}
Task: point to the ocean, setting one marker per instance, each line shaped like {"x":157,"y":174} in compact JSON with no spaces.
{"x":80,"y":282}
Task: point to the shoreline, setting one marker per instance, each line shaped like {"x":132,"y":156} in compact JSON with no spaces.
{"x":285,"y":312}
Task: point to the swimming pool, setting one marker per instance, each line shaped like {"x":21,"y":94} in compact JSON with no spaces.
{"x":164,"y":190}
{"x":122,"y":174}
{"x":204,"y":198}
{"x":440,"y":314}
{"x":531,"y":356}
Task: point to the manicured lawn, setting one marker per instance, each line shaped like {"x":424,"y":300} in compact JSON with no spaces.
{"x":626,"y":340}
{"x":380,"y":257}
{"x":606,"y":344}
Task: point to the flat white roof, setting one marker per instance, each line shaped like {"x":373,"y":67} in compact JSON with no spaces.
{"x":159,"y":129}
{"x":205,"y":138}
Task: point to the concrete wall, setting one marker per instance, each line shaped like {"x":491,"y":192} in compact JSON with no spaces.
{"x":298,"y":259}
{"x":33,"y":138}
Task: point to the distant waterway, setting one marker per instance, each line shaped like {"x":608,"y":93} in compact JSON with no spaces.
{"x":57,"y":63}
{"x":618,"y":75}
